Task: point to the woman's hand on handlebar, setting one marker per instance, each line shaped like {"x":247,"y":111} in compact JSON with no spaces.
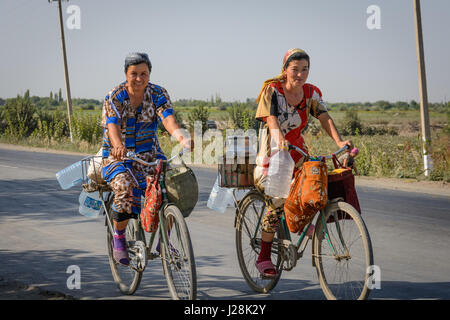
{"x":187,"y":144}
{"x":283,"y":144}
{"x":119,"y":152}
{"x":348,"y":143}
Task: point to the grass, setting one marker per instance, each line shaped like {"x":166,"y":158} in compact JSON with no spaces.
{"x":392,"y":156}
{"x":63,"y":144}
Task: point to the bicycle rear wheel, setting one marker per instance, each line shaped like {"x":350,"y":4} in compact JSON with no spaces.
{"x":178,"y":258}
{"x":126,"y":278}
{"x":248,"y":243}
{"x":342,"y":253}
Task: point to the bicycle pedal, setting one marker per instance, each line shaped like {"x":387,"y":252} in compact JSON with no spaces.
{"x":153,"y":255}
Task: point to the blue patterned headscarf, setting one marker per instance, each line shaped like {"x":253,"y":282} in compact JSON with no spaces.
{"x":137,"y":58}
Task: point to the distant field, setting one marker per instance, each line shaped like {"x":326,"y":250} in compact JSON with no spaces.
{"x":407,"y":122}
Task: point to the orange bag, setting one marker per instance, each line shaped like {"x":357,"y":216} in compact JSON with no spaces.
{"x":307,"y":195}
{"x":153,"y":200}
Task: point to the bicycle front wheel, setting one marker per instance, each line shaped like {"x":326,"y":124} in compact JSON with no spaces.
{"x":248,"y":243}
{"x":342,"y":253}
{"x":178,"y":257}
{"x":126,"y":278}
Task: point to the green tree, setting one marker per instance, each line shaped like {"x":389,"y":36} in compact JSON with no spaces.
{"x":199,"y":113}
{"x":18,"y":114}
{"x":242,"y":117}
{"x":351,"y":125}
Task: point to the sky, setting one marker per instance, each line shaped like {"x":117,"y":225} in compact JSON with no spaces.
{"x":204,"y":48}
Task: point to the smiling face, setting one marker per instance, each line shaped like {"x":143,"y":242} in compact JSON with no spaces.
{"x":296,"y":73}
{"x":137,"y":76}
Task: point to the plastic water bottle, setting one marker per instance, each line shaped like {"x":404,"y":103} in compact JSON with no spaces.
{"x":220,"y":198}
{"x":279,"y":176}
{"x":70,"y":176}
{"x":90,"y":204}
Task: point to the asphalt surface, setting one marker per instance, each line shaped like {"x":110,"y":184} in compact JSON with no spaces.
{"x":42,"y":235}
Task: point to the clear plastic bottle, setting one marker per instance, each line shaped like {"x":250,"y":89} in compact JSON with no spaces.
{"x":90,"y":204}
{"x":279,"y":176}
{"x":70,"y":176}
{"x":220,"y":198}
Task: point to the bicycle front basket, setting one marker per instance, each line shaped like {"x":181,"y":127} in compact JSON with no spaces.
{"x":341,"y":183}
{"x":182,"y":189}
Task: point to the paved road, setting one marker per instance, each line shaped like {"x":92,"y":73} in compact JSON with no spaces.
{"x":42,"y":234}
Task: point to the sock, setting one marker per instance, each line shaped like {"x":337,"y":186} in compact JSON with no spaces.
{"x":158,"y":246}
{"x":119,"y":239}
{"x":265,"y":253}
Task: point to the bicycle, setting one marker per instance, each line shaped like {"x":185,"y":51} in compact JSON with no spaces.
{"x":340,"y":241}
{"x":175,"y":247}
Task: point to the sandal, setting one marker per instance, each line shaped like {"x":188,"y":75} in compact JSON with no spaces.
{"x":266,"y":268}
{"x":120,"y":255}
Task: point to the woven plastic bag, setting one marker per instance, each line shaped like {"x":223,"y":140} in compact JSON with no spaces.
{"x":153,"y":200}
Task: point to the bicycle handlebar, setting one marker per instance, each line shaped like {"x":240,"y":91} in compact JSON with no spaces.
{"x":292,"y":147}
{"x":132,"y":156}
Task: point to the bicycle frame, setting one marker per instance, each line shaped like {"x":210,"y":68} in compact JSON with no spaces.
{"x":300,"y":248}
{"x":164,"y":204}
{"x":331,"y":244}
{"x":283,"y":224}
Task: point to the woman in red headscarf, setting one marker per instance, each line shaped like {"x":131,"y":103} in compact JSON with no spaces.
{"x":284,"y":105}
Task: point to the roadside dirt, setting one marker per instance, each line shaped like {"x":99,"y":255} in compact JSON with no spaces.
{"x":14,"y":290}
{"x":438,"y":188}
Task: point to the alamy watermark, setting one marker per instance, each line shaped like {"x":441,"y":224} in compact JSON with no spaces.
{"x":213,"y":146}
{"x":74,"y":280}
{"x":74,"y":19}
{"x":374,"y":279}
{"x":374,"y":20}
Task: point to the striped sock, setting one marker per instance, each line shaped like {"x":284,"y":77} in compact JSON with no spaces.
{"x":119,"y":239}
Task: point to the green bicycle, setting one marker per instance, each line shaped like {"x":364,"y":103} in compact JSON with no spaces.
{"x":174,"y":246}
{"x":341,"y":246}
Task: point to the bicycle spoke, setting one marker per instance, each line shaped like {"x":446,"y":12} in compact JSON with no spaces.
{"x":177,"y":258}
{"x":126,"y":277}
{"x":248,"y":242}
{"x":341,"y":255}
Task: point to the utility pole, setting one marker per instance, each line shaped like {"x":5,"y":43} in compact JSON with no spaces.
{"x":425,"y":120}
{"x":66,"y":71}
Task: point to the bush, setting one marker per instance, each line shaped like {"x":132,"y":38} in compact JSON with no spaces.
{"x":351,"y":124}
{"x":242,"y":117}
{"x":18,"y":117}
{"x":86,"y":127}
{"x":199,"y":113}
{"x":51,"y":126}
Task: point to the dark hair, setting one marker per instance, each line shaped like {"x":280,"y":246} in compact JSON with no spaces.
{"x":135,"y":58}
{"x":297,"y":56}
